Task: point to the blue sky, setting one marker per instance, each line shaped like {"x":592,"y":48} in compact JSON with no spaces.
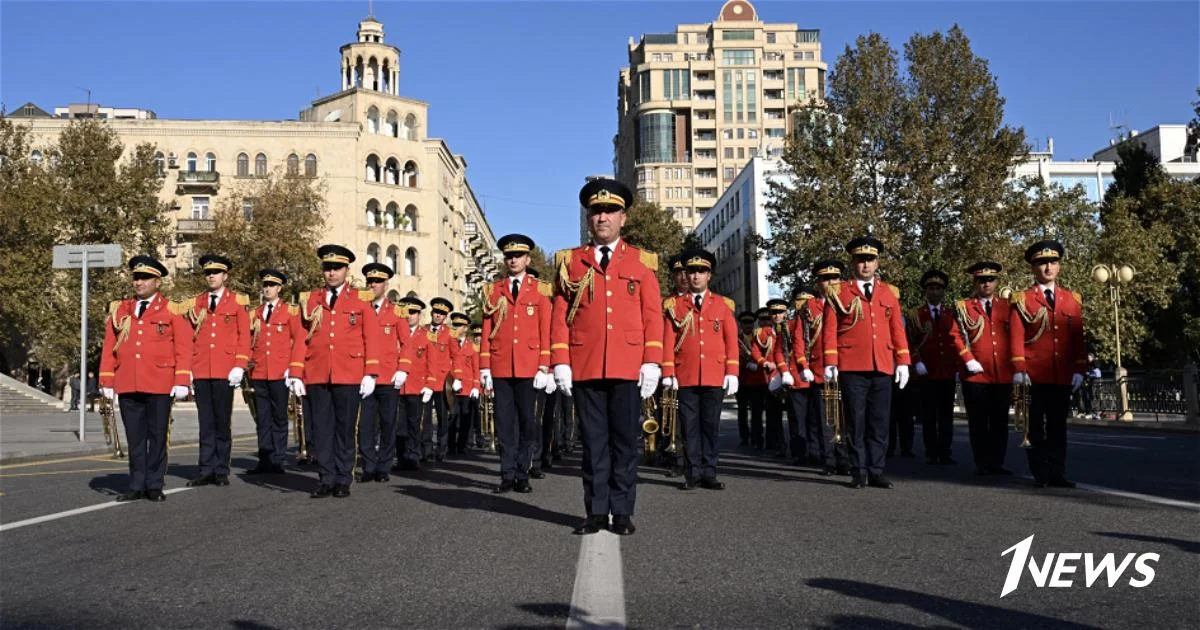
{"x":526,"y":90}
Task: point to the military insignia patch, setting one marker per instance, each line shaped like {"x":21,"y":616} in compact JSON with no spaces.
{"x":279,"y":328}
{"x":716,"y":325}
{"x":420,"y":352}
{"x":387,"y":330}
{"x":632,"y":287}
{"x":160,"y":328}
{"x":529,"y":310}
{"x":353,"y":318}
{"x":227,"y":319}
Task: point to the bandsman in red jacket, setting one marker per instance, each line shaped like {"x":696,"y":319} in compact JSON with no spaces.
{"x":982,"y":341}
{"x":416,"y":389}
{"x":277,"y":344}
{"x":220,"y":354}
{"x":340,"y":366}
{"x":146,"y":359}
{"x":468,"y":397}
{"x":514,"y":358}
{"x":606,"y":348}
{"x":797,"y":361}
{"x":1048,"y":356}
{"x":780,"y":437}
{"x":808,"y":325}
{"x":443,"y":348}
{"x":865,"y":346}
{"x":767,"y":352}
{"x":748,"y":384}
{"x":931,"y":331}
{"x":700,"y":360}
{"x":377,"y":418}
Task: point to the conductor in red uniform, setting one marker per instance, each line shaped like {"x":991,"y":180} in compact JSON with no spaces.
{"x":277,"y":342}
{"x":606,"y":348}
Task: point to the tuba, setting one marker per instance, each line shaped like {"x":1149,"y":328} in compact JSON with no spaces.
{"x":831,"y":397}
{"x":649,"y":425}
{"x":1020,"y":401}
{"x":112,"y":435}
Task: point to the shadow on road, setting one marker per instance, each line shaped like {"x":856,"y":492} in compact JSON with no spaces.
{"x":1187,"y":546}
{"x":473,"y":500}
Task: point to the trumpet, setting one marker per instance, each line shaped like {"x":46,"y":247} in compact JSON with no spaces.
{"x":831,"y":396}
{"x":112,"y":435}
{"x":487,"y":419}
{"x":294,"y":411}
{"x":670,"y":417}
{"x":1020,"y":401}
{"x":649,"y":425}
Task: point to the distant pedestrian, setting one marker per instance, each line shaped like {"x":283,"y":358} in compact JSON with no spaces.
{"x":74,"y":392}
{"x":93,"y":390}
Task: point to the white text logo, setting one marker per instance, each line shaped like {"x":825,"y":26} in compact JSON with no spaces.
{"x":1056,"y":569}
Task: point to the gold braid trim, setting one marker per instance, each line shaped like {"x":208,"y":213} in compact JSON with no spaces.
{"x":853,"y":310}
{"x":255,"y":326}
{"x":973,"y":328}
{"x":574,"y":289}
{"x":121,"y":328}
{"x":499,"y":309}
{"x":196,"y":318}
{"x":923,"y":330}
{"x":685,"y":326}
{"x":313,"y":317}
{"x":1039,"y":318}
{"x":766,"y":347}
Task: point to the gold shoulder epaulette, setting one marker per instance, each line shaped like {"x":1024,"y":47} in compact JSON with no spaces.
{"x":668,"y":303}
{"x":733,"y":305}
{"x":650,"y":259}
{"x":431,"y":335}
{"x":178,"y":308}
{"x":113,"y":306}
{"x":366,"y":295}
{"x":831,"y":290}
{"x":293,"y":309}
{"x":895,"y":290}
{"x":400,"y":310}
{"x":242,"y":299}
{"x":545,"y":288}
{"x":960,"y":304}
{"x":561,"y":257}
{"x":914,"y":315}
{"x":1078,"y":297}
{"x":304,"y":296}
{"x":1016,"y":297}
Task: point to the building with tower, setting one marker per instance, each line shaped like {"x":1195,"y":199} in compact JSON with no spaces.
{"x":394,"y":194}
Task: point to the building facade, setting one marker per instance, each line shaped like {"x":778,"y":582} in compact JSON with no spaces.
{"x":694,"y":105}
{"x":394,"y":194}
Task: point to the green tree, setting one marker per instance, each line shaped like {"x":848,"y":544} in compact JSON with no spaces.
{"x":653,"y":229}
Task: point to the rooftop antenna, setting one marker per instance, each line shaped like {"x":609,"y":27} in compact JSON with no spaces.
{"x":1117,"y":126}
{"x":370,"y":8}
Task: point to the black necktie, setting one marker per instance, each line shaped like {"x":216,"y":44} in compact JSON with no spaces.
{"x":987,"y":306}
{"x":934,"y":311}
{"x":377,"y":306}
{"x":212,"y":302}
{"x":332,"y":298}
{"x":604,"y":252}
{"x":699,"y":300}
{"x":270,"y":307}
{"x":867,"y":291}
{"x":142,"y":307}
{"x":516,"y":288}
{"x":1050,"y":298}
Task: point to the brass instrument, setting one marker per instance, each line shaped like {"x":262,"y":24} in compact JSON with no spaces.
{"x":487,"y":419}
{"x":649,"y":425}
{"x":832,"y":399}
{"x":112,"y":435}
{"x":295,"y":412}
{"x":670,"y":417}
{"x":1020,"y":400}
{"x":248,"y":398}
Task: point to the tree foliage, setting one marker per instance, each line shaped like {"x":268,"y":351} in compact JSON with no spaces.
{"x":651,"y":228}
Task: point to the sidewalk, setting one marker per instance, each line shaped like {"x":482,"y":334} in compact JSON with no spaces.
{"x":26,"y":437}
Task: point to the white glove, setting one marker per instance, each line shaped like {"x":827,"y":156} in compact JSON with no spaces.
{"x":788,"y":379}
{"x":1021,"y":378}
{"x":902,"y":375}
{"x":367,"y":387}
{"x":485,"y":379}
{"x":831,"y":373}
{"x":297,"y":387}
{"x":921,"y":369}
{"x":426,"y":394}
{"x":474,"y":392}
{"x":775,"y":383}
{"x":287,"y":375}
{"x":456,"y":385}
{"x":731,"y":385}
{"x":1076,"y":381}
{"x":562,"y":376}
{"x":179,"y":392}
{"x":974,"y":367}
{"x":648,"y":377}
{"x":551,"y":386}
{"x":107,"y":392}
{"x":752,"y":366}
{"x":235,"y":376}
{"x":539,"y":379}
{"x":807,"y":375}
{"x":399,"y":378}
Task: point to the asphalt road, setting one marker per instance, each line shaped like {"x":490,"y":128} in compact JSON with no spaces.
{"x":781,"y":547}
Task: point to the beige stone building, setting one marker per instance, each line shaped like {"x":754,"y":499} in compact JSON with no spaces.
{"x":694,"y":106}
{"x":394,"y":194}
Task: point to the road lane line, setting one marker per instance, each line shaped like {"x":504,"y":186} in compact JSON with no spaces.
{"x":1102,"y":445}
{"x":62,"y":472}
{"x":83,"y":510}
{"x":1149,"y":498}
{"x":598,"y":600}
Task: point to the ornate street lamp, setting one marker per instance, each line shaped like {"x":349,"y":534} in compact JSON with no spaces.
{"x":1114,"y":276}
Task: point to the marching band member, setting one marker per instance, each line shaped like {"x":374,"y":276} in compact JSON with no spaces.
{"x":277,"y":346}
{"x":982,"y":341}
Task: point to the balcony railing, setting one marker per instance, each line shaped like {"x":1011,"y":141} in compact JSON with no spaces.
{"x":194,"y":226}
{"x":196,"y":181}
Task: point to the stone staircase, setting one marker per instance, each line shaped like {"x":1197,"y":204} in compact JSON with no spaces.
{"x":19,"y":398}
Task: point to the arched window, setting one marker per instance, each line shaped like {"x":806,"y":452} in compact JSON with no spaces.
{"x":393,"y":296}
{"x":393,"y":255}
{"x":391,"y":217}
{"x":373,"y":76}
{"x":411,"y":175}
{"x":373,"y":253}
{"x":191,"y":162}
{"x":293,"y":165}
{"x":393,"y":125}
{"x":372,"y":168}
{"x":385,"y":83}
{"x":410,"y":218}
{"x":373,"y":120}
{"x":160,"y":162}
{"x":310,"y":165}
{"x":410,"y":261}
{"x":243,"y":165}
{"x":260,"y":165}
{"x":391,"y":172}
{"x":410,"y":127}
{"x":210,"y":162}
{"x":372,"y":216}
{"x":36,"y":158}
{"x":358,"y":72}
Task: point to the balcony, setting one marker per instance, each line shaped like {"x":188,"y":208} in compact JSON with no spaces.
{"x":192,"y":227}
{"x":197,"y":182}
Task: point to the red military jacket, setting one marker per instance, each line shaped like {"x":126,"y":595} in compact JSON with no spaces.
{"x":797,"y":361}
{"x":343,"y":344}
{"x":765,"y":348}
{"x":467,"y":368}
{"x":393,"y":332}
{"x":277,"y":345}
{"x":980,"y":338}
{"x":932,"y":343}
{"x":443,"y":348}
{"x":416,"y":359}
{"x":606,"y":323}
{"x":516,"y":333}
{"x":222,"y":337}
{"x":747,"y":376}
{"x":862,"y":336}
{"x":149,"y":355}
{"x":810,"y":314}
{"x":699,"y":346}
{"x":1047,"y":343}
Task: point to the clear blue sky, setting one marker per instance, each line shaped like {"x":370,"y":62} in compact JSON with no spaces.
{"x":526,"y":90}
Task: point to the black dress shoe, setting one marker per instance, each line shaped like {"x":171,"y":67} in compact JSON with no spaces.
{"x":842,"y":471}
{"x":857,"y":482}
{"x":547,"y":464}
{"x":591,"y":525}
{"x":557,"y":457}
{"x":622,"y":525}
{"x":505,"y":487}
{"x":366,"y":478}
{"x":221,"y":480}
{"x":537,"y":474}
{"x":203,"y":480}
{"x":441,"y":457}
{"x":132,"y":495}
{"x":1061,"y":483}
{"x":341,"y":492}
{"x":712,"y":484}
{"x":931,"y":460}
{"x":321,"y":492}
{"x":260,"y":469}
{"x":522,"y":486}
{"x":879,"y":481}
{"x":155,"y":495}
{"x":673,"y":472}
{"x":1000,"y":470}
{"x":1039,"y":483}
{"x":946,"y":460}
{"x":980,"y":471}
{"x":907,"y":454}
{"x":382,"y":477}
{"x":827,"y":471}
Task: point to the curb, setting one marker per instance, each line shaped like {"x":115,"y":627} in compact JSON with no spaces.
{"x":25,"y":457}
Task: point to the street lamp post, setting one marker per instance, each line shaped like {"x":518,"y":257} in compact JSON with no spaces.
{"x":1114,"y":276}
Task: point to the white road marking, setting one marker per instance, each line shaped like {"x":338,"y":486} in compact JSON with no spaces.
{"x":83,"y":510}
{"x":1103,"y":445}
{"x":598,"y":600}
{"x":1149,"y":498}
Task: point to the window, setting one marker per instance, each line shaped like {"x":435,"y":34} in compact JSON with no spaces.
{"x":373,"y":252}
{"x":373,"y":120}
{"x":644,"y":87}
{"x":728,"y":172}
{"x":391,"y":172}
{"x":411,"y":175}
{"x":293,"y":165}
{"x":248,"y":209}
{"x":391,"y":217}
{"x":741,"y":133}
{"x":752,"y":133}
{"x":393,"y":255}
{"x":191,"y":162}
{"x":310,"y":165}
{"x":727,"y":94}
{"x":372,"y":217}
{"x":410,"y":218}
{"x":737,"y":57}
{"x":795,"y":84}
{"x":809,"y":55}
{"x":160,"y":163}
{"x":737,"y":35}
{"x":676,"y":84}
{"x":243,"y":165}
{"x":199,"y":207}
{"x":798,"y":56}
{"x":36,"y":158}
{"x":372,"y":173}
{"x":741,"y":153}
{"x":774,"y":133}
{"x":210,"y":162}
{"x":260,"y":165}
{"x":728,"y":153}
{"x":770,"y":38}
{"x":410,"y":261}
{"x":393,"y":126}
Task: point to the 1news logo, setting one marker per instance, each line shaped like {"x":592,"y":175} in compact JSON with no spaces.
{"x":1054,"y":571}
